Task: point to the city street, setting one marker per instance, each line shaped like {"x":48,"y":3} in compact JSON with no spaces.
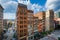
{"x":9,"y":34}
{"x":53,"y":36}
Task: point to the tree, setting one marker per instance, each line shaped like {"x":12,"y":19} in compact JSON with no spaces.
{"x":9,"y":24}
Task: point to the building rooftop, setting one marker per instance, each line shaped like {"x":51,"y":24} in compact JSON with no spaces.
{"x":30,"y":11}
{"x":22,"y":5}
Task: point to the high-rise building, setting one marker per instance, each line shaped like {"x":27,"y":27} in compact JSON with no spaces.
{"x":30,"y":25}
{"x":36,"y":33}
{"x":5,"y":23}
{"x":49,"y":20}
{"x":1,"y":21}
{"x":41,"y":23}
{"x":22,"y":22}
{"x":36,"y":24}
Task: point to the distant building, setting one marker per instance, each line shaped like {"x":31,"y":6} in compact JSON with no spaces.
{"x":5,"y":23}
{"x":49,"y":20}
{"x":59,"y":14}
{"x":30,"y":25}
{"x":1,"y":21}
{"x":56,"y":15}
{"x":22,"y":22}
{"x":57,"y":19}
{"x":41,"y":21}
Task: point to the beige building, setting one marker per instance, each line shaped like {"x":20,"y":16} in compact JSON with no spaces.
{"x":49,"y":20}
{"x":41,"y":21}
{"x":1,"y":22}
{"x":30,"y":25}
{"x":36,"y":24}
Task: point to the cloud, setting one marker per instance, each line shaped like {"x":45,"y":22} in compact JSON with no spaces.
{"x":9,"y":16}
{"x":52,"y":4}
{"x":10,"y":6}
{"x":24,"y":1}
{"x":35,"y":7}
{"x":4,"y":1}
{"x":57,"y":11}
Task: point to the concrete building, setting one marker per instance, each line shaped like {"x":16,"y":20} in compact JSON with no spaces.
{"x":49,"y":20}
{"x":56,"y":22}
{"x":5,"y":24}
{"x":22,"y":22}
{"x":41,"y":21}
{"x":36,"y":24}
{"x":30,"y":25}
{"x":56,"y":15}
{"x":1,"y":21}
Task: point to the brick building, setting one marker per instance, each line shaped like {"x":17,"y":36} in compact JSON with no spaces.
{"x":22,"y":22}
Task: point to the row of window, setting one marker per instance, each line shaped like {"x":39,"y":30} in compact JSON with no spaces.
{"x":22,"y":18}
{"x":22,"y":21}
{"x":21,"y":26}
{"x":23,"y":32}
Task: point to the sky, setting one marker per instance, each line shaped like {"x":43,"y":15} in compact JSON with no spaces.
{"x":10,"y":6}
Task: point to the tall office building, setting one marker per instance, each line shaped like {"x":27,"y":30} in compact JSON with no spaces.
{"x":1,"y":21}
{"x":41,"y":22}
{"x":30,"y":25}
{"x":49,"y":20}
{"x":22,"y":22}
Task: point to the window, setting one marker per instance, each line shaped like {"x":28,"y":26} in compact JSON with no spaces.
{"x":21,"y":33}
{"x":25,"y":34}
{"x":25,"y":26}
{"x":21,"y":11}
{"x":21,"y":26}
{"x":25,"y":22}
{"x":25,"y":18}
{"x":21,"y":22}
{"x":25,"y":30}
{"x":21,"y":17}
{"x":25,"y":13}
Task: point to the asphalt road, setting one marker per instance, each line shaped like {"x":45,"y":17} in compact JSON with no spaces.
{"x":53,"y":36}
{"x":9,"y":34}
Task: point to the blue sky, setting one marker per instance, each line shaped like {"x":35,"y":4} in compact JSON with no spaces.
{"x":10,"y":6}
{"x":40,"y":2}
